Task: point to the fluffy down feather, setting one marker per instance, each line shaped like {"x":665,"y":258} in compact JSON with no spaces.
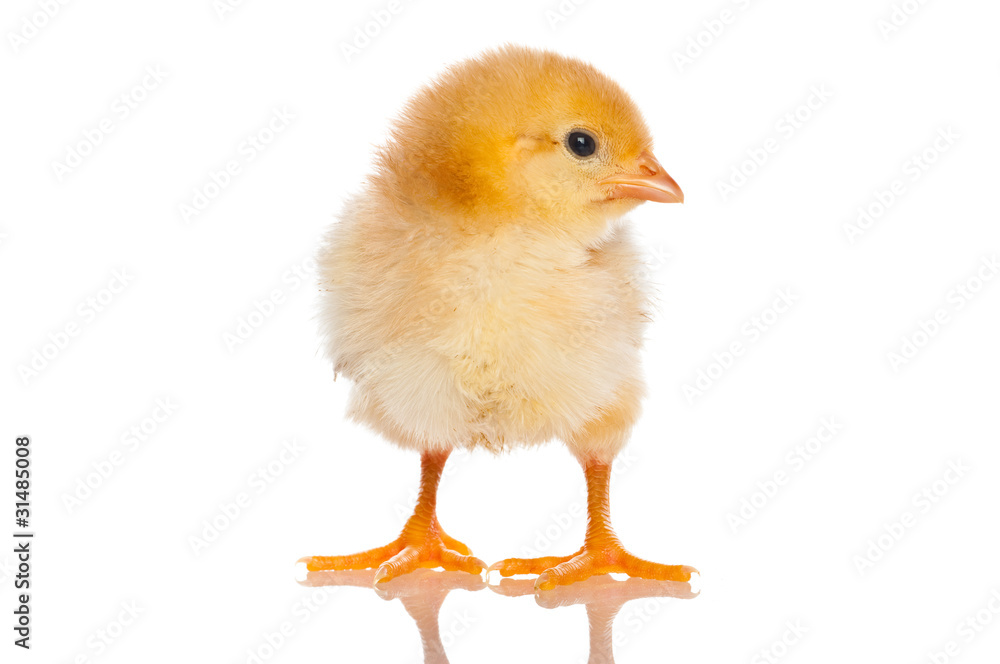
{"x":480,"y":290}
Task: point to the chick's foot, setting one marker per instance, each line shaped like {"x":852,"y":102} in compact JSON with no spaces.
{"x":415,"y":547}
{"x":602,"y":552}
{"x":591,"y":560}
{"x":423,"y":543}
{"x":605,"y":560}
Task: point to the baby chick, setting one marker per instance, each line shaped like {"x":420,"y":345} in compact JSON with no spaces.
{"x":481,"y":293}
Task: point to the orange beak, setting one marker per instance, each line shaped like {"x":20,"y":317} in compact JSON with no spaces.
{"x":651,"y":183}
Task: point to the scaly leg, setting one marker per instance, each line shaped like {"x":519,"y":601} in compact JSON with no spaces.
{"x":602,"y":552}
{"x":422,"y":543}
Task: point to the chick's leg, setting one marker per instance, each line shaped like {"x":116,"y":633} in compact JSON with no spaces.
{"x":422,"y":543}
{"x":595,"y":445}
{"x":602,"y":551}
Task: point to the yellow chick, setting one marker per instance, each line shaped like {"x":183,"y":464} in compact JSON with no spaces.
{"x":481,"y":292}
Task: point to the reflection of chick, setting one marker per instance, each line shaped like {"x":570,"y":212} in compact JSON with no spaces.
{"x":421,"y":593}
{"x":604,"y":598}
{"x":480,"y":293}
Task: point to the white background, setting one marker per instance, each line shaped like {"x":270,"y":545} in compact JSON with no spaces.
{"x":718,"y":260}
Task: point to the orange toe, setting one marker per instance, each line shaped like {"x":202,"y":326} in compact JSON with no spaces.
{"x":452,"y":561}
{"x":418,"y":546}
{"x":606,"y":560}
{"x":453,"y":544}
{"x":512,"y":566}
{"x":430,"y":553}
{"x":363,"y":560}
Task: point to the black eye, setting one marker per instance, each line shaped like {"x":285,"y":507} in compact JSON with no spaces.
{"x":581,"y":143}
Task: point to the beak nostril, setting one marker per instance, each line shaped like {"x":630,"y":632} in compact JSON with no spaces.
{"x":645,"y":179}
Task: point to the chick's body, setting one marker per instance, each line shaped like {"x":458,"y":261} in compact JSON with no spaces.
{"x":500,"y":338}
{"x":481,"y":292}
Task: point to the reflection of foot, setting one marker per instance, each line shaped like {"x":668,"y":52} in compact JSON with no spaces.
{"x":360,"y":578}
{"x":423,"y":585}
{"x":423,"y":543}
{"x":602,"y":552}
{"x":421,"y":593}
{"x":601,"y":590}
{"x":603,"y":596}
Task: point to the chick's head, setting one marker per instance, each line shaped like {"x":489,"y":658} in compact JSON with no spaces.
{"x":524,"y":136}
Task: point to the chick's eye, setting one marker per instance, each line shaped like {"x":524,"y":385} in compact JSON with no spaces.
{"x":581,"y":143}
